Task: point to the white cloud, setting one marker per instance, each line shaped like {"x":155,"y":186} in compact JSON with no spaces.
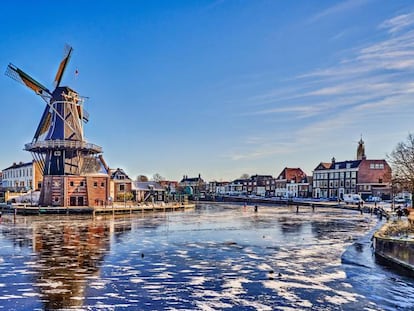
{"x":339,"y":8}
{"x":360,"y":93}
{"x":398,"y":23}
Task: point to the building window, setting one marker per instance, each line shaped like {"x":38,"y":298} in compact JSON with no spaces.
{"x":82,"y":184}
{"x":376,"y":166}
{"x":102,"y":184}
{"x":71,"y":183}
{"x":95,"y":184}
{"x":122,"y":187}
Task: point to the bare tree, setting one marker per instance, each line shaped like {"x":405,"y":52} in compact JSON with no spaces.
{"x":142,"y":178}
{"x":157,"y":177}
{"x":245,"y":176}
{"x":402,"y":162}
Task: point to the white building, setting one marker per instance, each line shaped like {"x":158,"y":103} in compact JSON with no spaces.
{"x":22,"y":177}
{"x":237,"y":187}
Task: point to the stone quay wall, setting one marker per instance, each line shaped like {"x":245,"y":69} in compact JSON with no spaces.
{"x":394,"y":243}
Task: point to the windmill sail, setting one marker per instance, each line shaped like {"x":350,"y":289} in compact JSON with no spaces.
{"x":63,"y":64}
{"x":44,"y":124}
{"x":22,"y":77}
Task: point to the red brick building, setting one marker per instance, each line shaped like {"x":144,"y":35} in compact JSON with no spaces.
{"x":75,"y":190}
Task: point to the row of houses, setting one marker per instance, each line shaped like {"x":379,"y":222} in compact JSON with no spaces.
{"x":367,"y":177}
{"x":24,"y":181}
{"x":328,"y":180}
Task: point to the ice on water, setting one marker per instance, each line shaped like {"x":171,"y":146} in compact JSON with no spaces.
{"x":217,"y":257}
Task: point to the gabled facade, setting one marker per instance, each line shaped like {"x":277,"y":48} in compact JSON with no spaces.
{"x":292,"y":183}
{"x":120,"y":185}
{"x":192,"y":185}
{"x":374,"y":178}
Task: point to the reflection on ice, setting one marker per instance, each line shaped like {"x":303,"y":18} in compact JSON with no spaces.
{"x":216,"y":257}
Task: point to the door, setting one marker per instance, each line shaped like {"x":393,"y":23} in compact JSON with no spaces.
{"x":80,"y":201}
{"x":72,"y":201}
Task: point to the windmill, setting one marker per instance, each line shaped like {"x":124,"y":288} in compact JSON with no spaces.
{"x":58,"y":145}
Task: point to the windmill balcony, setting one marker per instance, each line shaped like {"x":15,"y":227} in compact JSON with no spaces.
{"x":43,"y":146}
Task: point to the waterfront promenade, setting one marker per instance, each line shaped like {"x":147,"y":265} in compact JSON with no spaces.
{"x":116,"y":208}
{"x":133,"y":207}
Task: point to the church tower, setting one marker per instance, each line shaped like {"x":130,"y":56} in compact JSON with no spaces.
{"x":361,"y":150}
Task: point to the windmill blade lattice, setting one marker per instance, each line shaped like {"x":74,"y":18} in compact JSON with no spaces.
{"x":22,"y":77}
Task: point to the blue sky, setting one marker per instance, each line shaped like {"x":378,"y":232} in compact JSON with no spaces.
{"x":219,"y":88}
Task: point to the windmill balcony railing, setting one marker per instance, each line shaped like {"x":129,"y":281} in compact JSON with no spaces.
{"x":40,"y":146}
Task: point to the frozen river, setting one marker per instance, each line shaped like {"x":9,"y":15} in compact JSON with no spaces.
{"x":216,"y":257}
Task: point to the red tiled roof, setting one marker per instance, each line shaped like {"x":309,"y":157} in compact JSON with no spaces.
{"x":292,"y":174}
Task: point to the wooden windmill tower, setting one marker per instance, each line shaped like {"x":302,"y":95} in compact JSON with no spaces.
{"x":69,"y":164}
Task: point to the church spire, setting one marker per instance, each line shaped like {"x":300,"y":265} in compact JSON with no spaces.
{"x":361,"y":150}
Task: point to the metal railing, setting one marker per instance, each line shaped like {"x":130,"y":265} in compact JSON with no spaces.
{"x":62,"y":144}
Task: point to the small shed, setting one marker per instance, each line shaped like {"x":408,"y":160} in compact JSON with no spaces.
{"x":148,"y":191}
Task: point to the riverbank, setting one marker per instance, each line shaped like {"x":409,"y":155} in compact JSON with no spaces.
{"x":394,"y":244}
{"x":26,"y":209}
